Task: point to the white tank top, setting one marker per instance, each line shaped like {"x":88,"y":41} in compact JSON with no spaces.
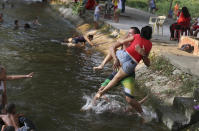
{"x":119,"y":5}
{"x":97,"y":10}
{"x":2,"y":85}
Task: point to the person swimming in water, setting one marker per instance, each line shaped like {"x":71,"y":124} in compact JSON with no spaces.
{"x":16,"y":24}
{"x":1,"y":17}
{"x":79,"y":41}
{"x":27,"y":26}
{"x":3,"y":90}
{"x":36,"y":21}
{"x":11,"y":119}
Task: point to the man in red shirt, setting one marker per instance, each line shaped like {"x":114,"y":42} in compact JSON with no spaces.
{"x":129,"y":58}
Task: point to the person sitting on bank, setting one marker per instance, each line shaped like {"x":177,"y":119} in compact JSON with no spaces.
{"x":183,"y":21}
{"x":11,"y":118}
{"x":195,"y":27}
{"x":27,"y":26}
{"x":79,"y":41}
{"x":3,"y":90}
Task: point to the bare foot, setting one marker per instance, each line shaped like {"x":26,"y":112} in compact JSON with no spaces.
{"x":100,"y":67}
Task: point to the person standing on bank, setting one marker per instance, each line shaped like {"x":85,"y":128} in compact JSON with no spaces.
{"x":123,"y":6}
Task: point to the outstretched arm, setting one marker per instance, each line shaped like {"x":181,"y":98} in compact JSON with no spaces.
{"x":14,"y":77}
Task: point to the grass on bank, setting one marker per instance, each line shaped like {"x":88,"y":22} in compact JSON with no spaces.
{"x":164,"y":67}
{"x":163,"y":6}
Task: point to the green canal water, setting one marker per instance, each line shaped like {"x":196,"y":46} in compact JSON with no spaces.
{"x":63,"y":77}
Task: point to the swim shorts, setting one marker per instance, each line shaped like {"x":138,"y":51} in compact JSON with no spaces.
{"x":118,"y":11}
{"x":128,"y":84}
{"x":96,"y":17}
{"x":128,"y":65}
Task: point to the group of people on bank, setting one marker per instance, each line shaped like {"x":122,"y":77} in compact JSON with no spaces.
{"x":184,"y":23}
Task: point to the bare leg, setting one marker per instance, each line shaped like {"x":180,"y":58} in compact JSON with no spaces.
{"x":196,"y":32}
{"x":120,"y":74}
{"x":134,"y":104}
{"x":143,"y":100}
{"x":106,"y":60}
{"x":191,"y":31}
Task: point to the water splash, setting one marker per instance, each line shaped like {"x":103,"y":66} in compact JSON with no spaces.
{"x":114,"y":104}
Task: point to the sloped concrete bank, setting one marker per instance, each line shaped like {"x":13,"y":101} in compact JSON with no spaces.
{"x":171,"y":89}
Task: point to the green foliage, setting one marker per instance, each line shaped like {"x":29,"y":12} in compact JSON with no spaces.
{"x":76,"y":8}
{"x":163,"y":5}
{"x":159,"y":63}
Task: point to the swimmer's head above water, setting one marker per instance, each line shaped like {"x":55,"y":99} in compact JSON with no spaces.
{"x":27,"y":26}
{"x":90,"y":37}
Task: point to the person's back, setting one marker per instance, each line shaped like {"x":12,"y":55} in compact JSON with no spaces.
{"x":11,"y":118}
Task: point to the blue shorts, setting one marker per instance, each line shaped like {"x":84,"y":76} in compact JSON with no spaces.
{"x":127,"y":63}
{"x":96,"y":17}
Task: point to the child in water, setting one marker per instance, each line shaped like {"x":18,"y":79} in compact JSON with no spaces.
{"x":1,"y":17}
{"x":36,"y":21}
{"x":78,"y":41}
{"x":11,"y":119}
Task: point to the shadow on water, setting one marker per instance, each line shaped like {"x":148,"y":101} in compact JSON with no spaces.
{"x":54,"y":96}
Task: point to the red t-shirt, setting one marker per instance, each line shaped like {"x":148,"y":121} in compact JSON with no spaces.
{"x":184,"y":21}
{"x":143,"y":43}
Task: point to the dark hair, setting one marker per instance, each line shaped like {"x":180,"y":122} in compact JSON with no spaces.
{"x":185,"y":12}
{"x":136,"y":30}
{"x":26,"y":25}
{"x":16,"y":21}
{"x":10,"y":108}
{"x":9,"y":128}
{"x":90,"y":36}
{"x":146,"y":32}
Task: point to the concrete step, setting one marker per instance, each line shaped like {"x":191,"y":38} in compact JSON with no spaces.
{"x":196,"y":94}
{"x":171,"y":118}
{"x":185,"y":105}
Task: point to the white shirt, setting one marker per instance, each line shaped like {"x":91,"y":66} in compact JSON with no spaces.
{"x":198,"y":21}
{"x":97,"y":10}
{"x":119,"y":4}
